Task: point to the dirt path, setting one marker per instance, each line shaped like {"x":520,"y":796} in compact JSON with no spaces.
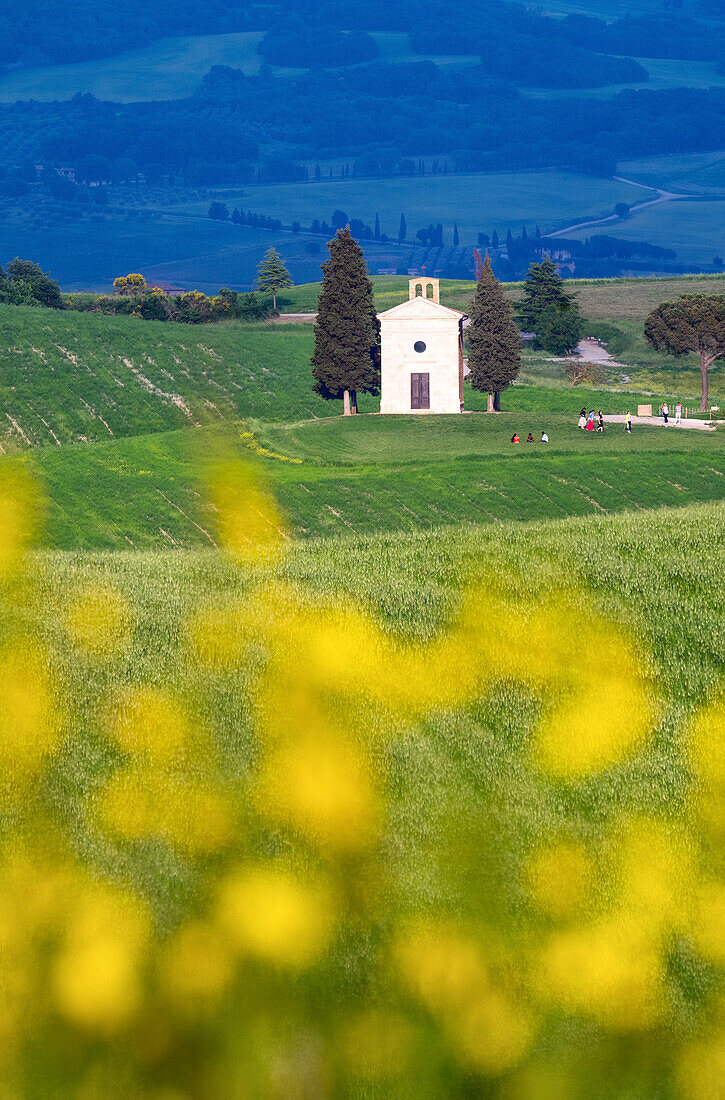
{"x":697,"y":425}
{"x":662,"y":196}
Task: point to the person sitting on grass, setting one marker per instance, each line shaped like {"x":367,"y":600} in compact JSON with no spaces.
{"x":530,"y":438}
{"x":515,"y":438}
{"x":544,"y":438}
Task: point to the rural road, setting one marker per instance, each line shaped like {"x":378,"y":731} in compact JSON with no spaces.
{"x":662,"y":196}
{"x":698,"y":425}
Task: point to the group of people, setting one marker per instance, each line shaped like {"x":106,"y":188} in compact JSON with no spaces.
{"x":587,"y":422}
{"x":665,"y":413}
{"x":516,"y":438}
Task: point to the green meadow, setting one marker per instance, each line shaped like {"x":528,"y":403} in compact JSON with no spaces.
{"x":479,"y":202}
{"x":172,"y":68}
{"x":372,"y":757}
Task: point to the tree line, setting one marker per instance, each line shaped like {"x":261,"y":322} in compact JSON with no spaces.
{"x":346,"y":357}
{"x":367,"y":113}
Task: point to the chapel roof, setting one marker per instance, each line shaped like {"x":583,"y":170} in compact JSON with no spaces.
{"x":421,"y":307}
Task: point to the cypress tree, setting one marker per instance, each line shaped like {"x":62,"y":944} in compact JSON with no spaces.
{"x":509,"y":240}
{"x":403,"y":230}
{"x":346,"y":359}
{"x":548,"y":310}
{"x":377,"y":227}
{"x":456,"y":239}
{"x":538,"y":233}
{"x":494,"y":342}
{"x":524,"y":234}
{"x":494,"y":239}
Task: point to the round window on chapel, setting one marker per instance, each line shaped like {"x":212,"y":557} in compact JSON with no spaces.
{"x":419,"y":346}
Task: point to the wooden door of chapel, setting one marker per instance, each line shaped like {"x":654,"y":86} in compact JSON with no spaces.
{"x":420,"y":391}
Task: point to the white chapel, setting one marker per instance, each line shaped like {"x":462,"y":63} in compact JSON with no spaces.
{"x":421,"y":353}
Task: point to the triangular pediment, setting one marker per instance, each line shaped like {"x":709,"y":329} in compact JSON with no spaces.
{"x":420,"y":308}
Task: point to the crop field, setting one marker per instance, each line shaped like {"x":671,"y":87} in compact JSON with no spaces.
{"x":479,"y":202}
{"x":195,"y":253}
{"x":694,"y":228}
{"x":688,"y":173}
{"x":600,"y":299}
{"x":368,"y":757}
{"x":373,"y":811}
{"x":172,"y":68}
{"x":370,"y":475}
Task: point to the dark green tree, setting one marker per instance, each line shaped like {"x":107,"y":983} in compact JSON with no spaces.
{"x":346,"y":359}
{"x":692,"y":322}
{"x":272,"y":275}
{"x":548,"y":310}
{"x":494,"y":341}
{"x":494,"y":239}
{"x":376,"y":231}
{"x":456,"y":238}
{"x":403,"y":230}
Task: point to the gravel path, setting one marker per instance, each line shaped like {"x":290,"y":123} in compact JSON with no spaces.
{"x":698,"y":425}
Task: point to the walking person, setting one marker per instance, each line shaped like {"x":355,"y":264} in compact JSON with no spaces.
{"x":665,"y":412}
{"x":629,"y":422}
{"x":582,"y":419}
{"x":590,"y":422}
{"x":601,"y":421}
{"x":678,"y":414}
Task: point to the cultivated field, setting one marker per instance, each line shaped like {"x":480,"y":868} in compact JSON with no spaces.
{"x":154,"y":401}
{"x":403,"y":780}
{"x":690,"y":173}
{"x":479,"y":203}
{"x":694,"y":228}
{"x":451,"y":778}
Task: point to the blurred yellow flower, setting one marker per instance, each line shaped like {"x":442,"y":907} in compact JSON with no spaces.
{"x":268,"y":914}
{"x":96,"y":979}
{"x":98,"y":620}
{"x":611,"y":971}
{"x":249,"y":524}
{"x":192,"y":815}
{"x":29,"y":724}
{"x":149,"y":722}
{"x":558,"y":877}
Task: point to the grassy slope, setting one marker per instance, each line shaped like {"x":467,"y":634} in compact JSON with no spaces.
{"x":639,"y":571}
{"x":73,"y":375}
{"x":480,"y":202}
{"x":695,"y":229}
{"x":81,"y":376}
{"x":374,"y":474}
{"x":172,"y":68}
{"x":691,"y":173}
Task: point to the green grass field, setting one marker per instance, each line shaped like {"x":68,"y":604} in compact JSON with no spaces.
{"x":368,"y":757}
{"x":374,"y":475}
{"x":145,"y":404}
{"x":172,"y":68}
{"x":479,"y":202}
{"x":450,"y":874}
{"x":695,"y":229}
{"x":690,"y":173}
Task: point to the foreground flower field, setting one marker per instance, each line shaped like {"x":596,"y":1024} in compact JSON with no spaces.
{"x":416,"y":816}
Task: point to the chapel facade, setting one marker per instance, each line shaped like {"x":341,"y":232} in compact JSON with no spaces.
{"x":421,"y":353}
